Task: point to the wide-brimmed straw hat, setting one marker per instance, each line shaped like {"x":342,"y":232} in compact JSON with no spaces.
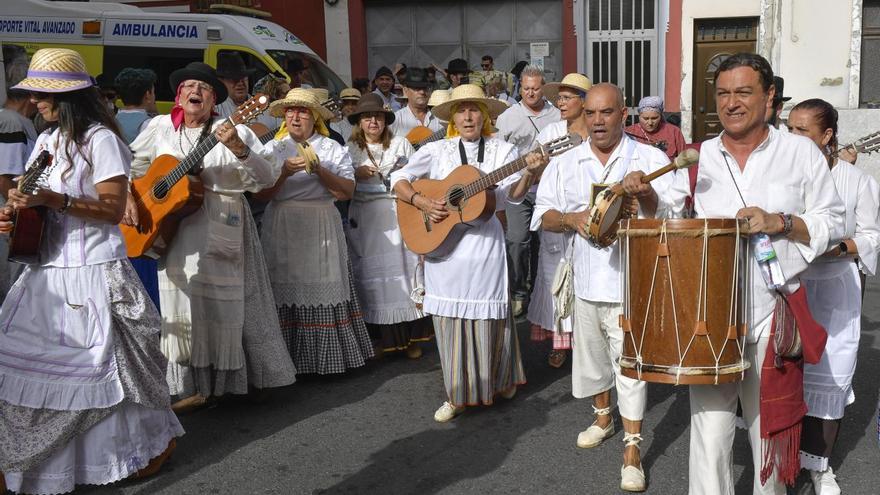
{"x":438,"y":96}
{"x":299,"y":97}
{"x":370,"y":102}
{"x":464,"y":94}
{"x":200,"y":71}
{"x":56,"y":70}
{"x":575,"y":81}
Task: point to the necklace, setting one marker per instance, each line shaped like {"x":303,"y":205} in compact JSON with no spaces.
{"x":184,"y":131}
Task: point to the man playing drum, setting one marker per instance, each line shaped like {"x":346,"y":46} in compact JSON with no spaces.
{"x":780,"y":183}
{"x":563,"y":204}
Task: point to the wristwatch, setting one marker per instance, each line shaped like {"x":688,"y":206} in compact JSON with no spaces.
{"x":842,"y":247}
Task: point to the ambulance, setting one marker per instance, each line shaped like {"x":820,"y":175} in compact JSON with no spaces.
{"x":113,"y":36}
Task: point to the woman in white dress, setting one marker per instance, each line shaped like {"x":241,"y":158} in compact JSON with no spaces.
{"x":83,"y":398}
{"x":305,"y":246}
{"x":384,"y":269}
{"x":466,"y":291}
{"x":834,"y":291}
{"x":569,"y":95}
{"x":219,"y":331}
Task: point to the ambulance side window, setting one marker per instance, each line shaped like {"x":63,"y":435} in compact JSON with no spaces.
{"x":163,"y":61}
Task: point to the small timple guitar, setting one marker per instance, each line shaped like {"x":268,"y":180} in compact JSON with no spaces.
{"x":467,"y":200}
{"x":167,"y":193}
{"x":28,"y":223}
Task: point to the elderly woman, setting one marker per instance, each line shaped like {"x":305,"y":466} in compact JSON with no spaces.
{"x":305,"y":245}
{"x":834,"y":291}
{"x":83,"y":398}
{"x":466,"y":291}
{"x":653,"y":130}
{"x":384,"y":269}
{"x":219,"y":331}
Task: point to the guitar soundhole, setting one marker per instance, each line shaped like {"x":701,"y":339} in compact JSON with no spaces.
{"x":455,"y":196}
{"x":160,"y":190}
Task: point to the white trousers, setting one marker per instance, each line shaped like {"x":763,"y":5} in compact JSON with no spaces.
{"x":595,"y":351}
{"x":713,"y":419}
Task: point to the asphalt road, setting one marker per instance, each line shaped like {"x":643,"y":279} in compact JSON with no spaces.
{"x":371,"y":431}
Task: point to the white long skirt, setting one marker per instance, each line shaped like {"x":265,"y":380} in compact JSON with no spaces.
{"x":835,"y":298}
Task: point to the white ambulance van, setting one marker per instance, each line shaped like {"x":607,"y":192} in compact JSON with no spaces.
{"x":112,"y":36}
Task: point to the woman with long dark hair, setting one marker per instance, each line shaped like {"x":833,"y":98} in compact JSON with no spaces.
{"x":834,"y":285}
{"x":82,"y":379}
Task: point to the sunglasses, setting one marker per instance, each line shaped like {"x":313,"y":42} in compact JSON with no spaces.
{"x":485,"y":66}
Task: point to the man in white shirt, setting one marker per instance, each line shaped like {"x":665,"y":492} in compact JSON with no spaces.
{"x":519,"y":125}
{"x":563,"y":205}
{"x":384,"y":81}
{"x":233,"y":73}
{"x":781,"y":183}
{"x":415,"y":114}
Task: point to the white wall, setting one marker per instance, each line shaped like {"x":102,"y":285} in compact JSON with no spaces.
{"x":337,"y":35}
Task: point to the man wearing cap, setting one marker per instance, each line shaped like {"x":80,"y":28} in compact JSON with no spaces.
{"x":219,"y":320}
{"x":384,"y":82}
{"x":563,"y":205}
{"x":519,"y":125}
{"x":774,"y":113}
{"x":415,"y":113}
{"x":570,"y":96}
{"x":466,"y":291}
{"x":349,"y":98}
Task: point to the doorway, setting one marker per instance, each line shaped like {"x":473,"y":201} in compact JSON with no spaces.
{"x":714,"y":41}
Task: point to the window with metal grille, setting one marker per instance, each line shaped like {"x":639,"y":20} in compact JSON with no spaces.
{"x":622,"y":46}
{"x":869,"y":88}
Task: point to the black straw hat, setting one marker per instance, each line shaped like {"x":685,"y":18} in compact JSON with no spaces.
{"x":230,"y":65}
{"x":200,"y":72}
{"x":370,"y":102}
{"x":415,"y":78}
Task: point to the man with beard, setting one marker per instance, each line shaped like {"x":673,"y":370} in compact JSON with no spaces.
{"x":417,"y":90}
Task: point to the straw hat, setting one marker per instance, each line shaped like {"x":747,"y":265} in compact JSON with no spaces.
{"x":56,"y":70}
{"x":350,"y":94}
{"x":322,"y":94}
{"x":468,"y":93}
{"x":575,"y":81}
{"x":299,"y":97}
{"x":370,"y":102}
{"x":438,"y":96}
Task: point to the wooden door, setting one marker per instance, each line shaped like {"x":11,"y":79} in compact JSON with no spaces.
{"x":714,"y":41}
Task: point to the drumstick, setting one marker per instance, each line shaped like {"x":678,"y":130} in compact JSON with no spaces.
{"x":684,"y":160}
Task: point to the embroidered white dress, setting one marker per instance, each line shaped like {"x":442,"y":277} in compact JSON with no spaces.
{"x":219,"y":331}
{"x":83,"y":398}
{"x":834,"y":292}
{"x":308,"y":263}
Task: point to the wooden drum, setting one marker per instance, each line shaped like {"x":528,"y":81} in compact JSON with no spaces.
{"x":685,"y":284}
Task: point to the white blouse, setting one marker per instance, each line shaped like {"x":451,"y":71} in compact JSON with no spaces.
{"x":302,"y":186}
{"x":72,"y":241}
{"x":222,"y":171}
{"x":395,"y":156}
{"x":470,"y":282}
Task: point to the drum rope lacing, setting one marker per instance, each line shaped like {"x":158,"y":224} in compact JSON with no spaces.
{"x":702,"y":301}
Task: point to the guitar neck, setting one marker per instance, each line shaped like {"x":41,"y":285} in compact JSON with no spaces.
{"x":438,"y":135}
{"x":494,"y":177}
{"x":265,"y":138}
{"x":194,"y":157}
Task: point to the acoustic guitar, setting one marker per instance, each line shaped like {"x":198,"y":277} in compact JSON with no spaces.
{"x":867,"y":144}
{"x":28,"y":223}
{"x":167,"y":193}
{"x":421,"y":135}
{"x":467,"y":200}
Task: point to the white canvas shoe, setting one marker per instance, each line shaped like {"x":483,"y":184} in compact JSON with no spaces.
{"x":447,"y":412}
{"x":632,"y":478}
{"x":595,"y":434}
{"x":825,"y":482}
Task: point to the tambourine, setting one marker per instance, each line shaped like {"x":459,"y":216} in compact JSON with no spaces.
{"x":609,"y":208}
{"x":306,"y":151}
